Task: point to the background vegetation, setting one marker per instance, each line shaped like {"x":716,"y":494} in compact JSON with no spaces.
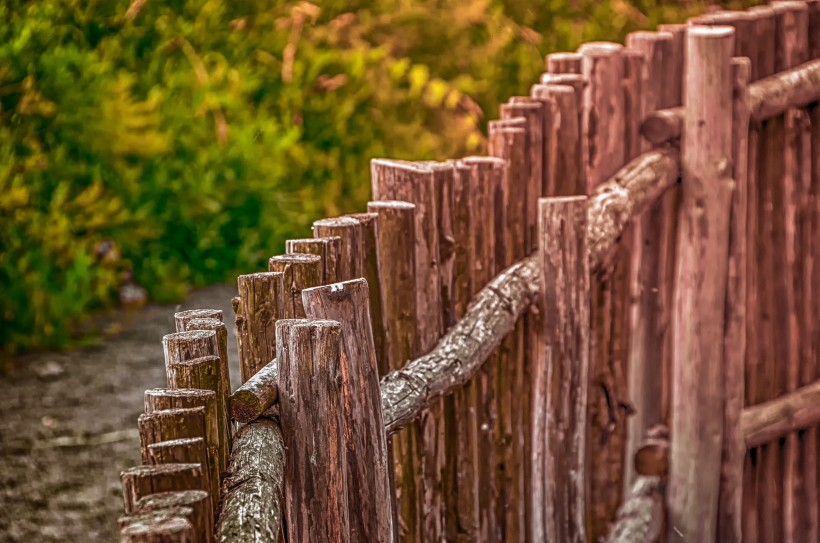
{"x":180,"y":142}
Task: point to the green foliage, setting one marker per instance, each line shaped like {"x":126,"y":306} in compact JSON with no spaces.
{"x":185,"y":140}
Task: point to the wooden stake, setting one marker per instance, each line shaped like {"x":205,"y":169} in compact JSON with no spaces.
{"x":298,"y":272}
{"x":141,"y":481}
{"x":310,"y":379}
{"x":370,"y":500}
{"x":700,"y":299}
{"x":169,"y":424}
{"x":350,"y":264}
{"x":199,"y":502}
{"x":325,"y":248}
{"x":222,"y":347}
{"x":563,"y":63}
{"x":191,"y":450}
{"x":262,"y":302}
{"x":181,"y":318}
{"x":188,"y":345}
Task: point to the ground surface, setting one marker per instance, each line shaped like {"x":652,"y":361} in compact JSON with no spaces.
{"x":68,"y":427}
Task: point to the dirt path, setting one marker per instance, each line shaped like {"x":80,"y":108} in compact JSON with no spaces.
{"x":68,"y":427}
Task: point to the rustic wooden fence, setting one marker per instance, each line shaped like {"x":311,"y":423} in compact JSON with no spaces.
{"x":606,"y":329}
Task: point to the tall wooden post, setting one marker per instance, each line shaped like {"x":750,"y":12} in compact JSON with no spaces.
{"x":262,"y":303}
{"x":299,"y":271}
{"x":700,"y":299}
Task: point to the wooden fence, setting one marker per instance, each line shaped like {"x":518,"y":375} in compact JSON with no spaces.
{"x":606,"y":329}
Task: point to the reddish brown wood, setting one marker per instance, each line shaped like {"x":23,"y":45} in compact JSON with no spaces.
{"x":310,"y":378}
{"x":191,"y":450}
{"x":205,"y":373}
{"x":222,"y":350}
{"x":170,"y":424}
{"x":167,"y":529}
{"x":181,"y":318}
{"x":568,"y":170}
{"x":299,"y":271}
{"x":369,"y":497}
{"x":773,"y":419}
{"x":566,"y":301}
{"x":142,"y":481}
{"x":187,"y":345}
{"x":198,"y":501}
{"x":262,"y":303}
{"x":549,"y":136}
{"x":633,"y":84}
{"x":700,"y":298}
{"x":563,"y":63}
{"x":325,"y":248}
{"x":677,"y":62}
{"x":252,"y":502}
{"x":350,"y":264}
{"x":256,"y":395}
{"x":814,"y":28}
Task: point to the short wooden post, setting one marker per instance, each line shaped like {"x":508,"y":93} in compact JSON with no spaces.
{"x":568,"y":167}
{"x":299,"y":271}
{"x":325,"y":248}
{"x":181,"y":318}
{"x":262,"y":303}
{"x":395,"y":250}
{"x":222,"y":351}
{"x":204,"y":373}
{"x":370,"y":500}
{"x":142,"y":481}
{"x":312,"y":409}
{"x":189,"y":450}
{"x":700,"y":298}
{"x":563,"y":63}
{"x":566,"y":300}
{"x":201,"y":517}
{"x":349,"y":264}
{"x":168,"y":424}
{"x":166,"y":530}
{"x":549,"y":136}
{"x":161,"y":399}
{"x":187,"y":345}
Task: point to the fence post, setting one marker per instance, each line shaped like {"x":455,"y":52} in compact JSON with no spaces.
{"x":187,"y":345}
{"x":222,"y":350}
{"x":311,"y":407}
{"x":140,"y":481}
{"x":181,"y":318}
{"x":261,"y":304}
{"x":565,"y":295}
{"x":370,"y":500}
{"x":700,"y":298}
{"x":176,"y":529}
{"x":349,"y":264}
{"x":563,"y":63}
{"x":198,"y":501}
{"x":299,"y":271}
{"x":325,"y":248}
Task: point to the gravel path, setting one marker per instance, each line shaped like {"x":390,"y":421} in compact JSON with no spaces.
{"x":68,"y":427}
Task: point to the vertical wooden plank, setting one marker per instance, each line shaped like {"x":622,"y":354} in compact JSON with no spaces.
{"x":395,"y":250}
{"x":565,"y":295}
{"x":603,"y":153}
{"x":163,"y":529}
{"x":416,"y":183}
{"x":325,"y":248}
{"x":262,"y":303}
{"x":563,"y":63}
{"x":189,"y":450}
{"x":311,"y":408}
{"x":349,"y":264}
{"x":568,"y":176}
{"x":187,"y":345}
{"x":370,"y":502}
{"x":700,"y":298}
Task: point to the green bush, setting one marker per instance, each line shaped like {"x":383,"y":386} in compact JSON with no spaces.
{"x":183,"y":141}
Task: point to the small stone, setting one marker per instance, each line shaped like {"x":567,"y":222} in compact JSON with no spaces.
{"x":48,"y":370}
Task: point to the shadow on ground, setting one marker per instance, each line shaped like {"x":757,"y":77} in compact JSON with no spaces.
{"x":68,"y":427}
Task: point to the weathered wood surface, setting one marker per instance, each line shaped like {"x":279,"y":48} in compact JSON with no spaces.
{"x":198,"y":501}
{"x":252,"y":490}
{"x":169,"y":424}
{"x":192,"y":450}
{"x":792,"y":88}
{"x":256,"y":395}
{"x":325,"y":248}
{"x":640,"y":516}
{"x":169,"y":529}
{"x":205,"y":373}
{"x":187,"y":345}
{"x":181,"y":318}
{"x":773,"y":419}
{"x":311,"y":408}
{"x":369,"y":499}
{"x":349,"y":264}
{"x":262,"y":303}
{"x":699,"y":307}
{"x":299,"y":271}
{"x":565,"y":295}
{"x":141,"y":481}
{"x":222,"y":351}
{"x":563,"y":63}
{"x":159,"y":399}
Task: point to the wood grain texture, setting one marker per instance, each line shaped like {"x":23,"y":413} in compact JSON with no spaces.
{"x":773,"y":419}
{"x":192,"y":450}
{"x":141,"y":481}
{"x":312,"y":408}
{"x":565,"y":298}
{"x":350,"y":264}
{"x":197,"y":501}
{"x":222,"y":351}
{"x":256,"y":395}
{"x":252,"y":490}
{"x":262,"y":303}
{"x":370,"y":501}
{"x":181,"y":318}
{"x":169,"y":424}
{"x":699,"y":307}
{"x":299,"y":271}
{"x":168,"y":529}
{"x":325,"y":248}
{"x":205,"y":373}
{"x":640,"y":517}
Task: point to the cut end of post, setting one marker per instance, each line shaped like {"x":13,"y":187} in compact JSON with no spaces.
{"x":337,"y":222}
{"x":560,"y":79}
{"x":713,"y":32}
{"x":401,"y":164}
{"x":390,"y":204}
{"x":600,"y":49}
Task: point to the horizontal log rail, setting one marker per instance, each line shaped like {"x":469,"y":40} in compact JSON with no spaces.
{"x":768,"y":97}
{"x":770,"y":420}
